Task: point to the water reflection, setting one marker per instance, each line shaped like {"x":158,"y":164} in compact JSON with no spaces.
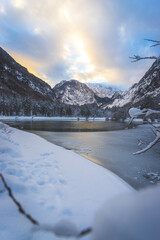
{"x":68,"y":126}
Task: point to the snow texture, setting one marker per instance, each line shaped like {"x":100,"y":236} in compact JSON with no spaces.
{"x":62,"y":228}
{"x":57,"y":187}
{"x":135,"y":112}
{"x":131,"y":217}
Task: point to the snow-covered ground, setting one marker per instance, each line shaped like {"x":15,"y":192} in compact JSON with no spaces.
{"x":66,"y":193}
{"x":52,"y":184}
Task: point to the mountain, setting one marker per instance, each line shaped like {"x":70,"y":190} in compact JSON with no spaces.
{"x":103,"y":90}
{"x":15,"y":80}
{"x":22,"y":93}
{"x":145,"y":93}
{"x":74,"y":92}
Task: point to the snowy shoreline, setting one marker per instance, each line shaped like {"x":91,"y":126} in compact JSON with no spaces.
{"x":40,"y":118}
{"x":51,"y":183}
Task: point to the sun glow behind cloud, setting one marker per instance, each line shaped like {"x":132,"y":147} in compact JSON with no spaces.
{"x":19,"y":4}
{"x":88,"y":40}
{"x":79,"y":61}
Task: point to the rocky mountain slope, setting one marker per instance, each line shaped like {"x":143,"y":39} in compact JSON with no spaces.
{"x":74,"y":92}
{"x":22,"y":93}
{"x":15,"y":80}
{"x":145,"y":93}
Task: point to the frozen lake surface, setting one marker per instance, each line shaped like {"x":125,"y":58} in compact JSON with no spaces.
{"x":113,"y":150}
{"x":64,"y":125}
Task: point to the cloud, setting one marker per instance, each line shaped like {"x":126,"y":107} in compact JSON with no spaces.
{"x":85,"y":39}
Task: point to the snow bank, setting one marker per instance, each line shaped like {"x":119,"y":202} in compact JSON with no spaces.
{"x":131,"y":217}
{"x":52,"y":184}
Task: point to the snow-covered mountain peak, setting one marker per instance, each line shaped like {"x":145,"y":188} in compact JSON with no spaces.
{"x":59,"y":84}
{"x":103,"y":90}
{"x":74,"y":92}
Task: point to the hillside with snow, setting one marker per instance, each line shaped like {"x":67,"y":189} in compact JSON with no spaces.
{"x":145,"y":93}
{"x":16,"y":81}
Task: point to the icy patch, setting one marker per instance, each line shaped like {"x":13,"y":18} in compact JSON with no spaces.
{"x":152,"y":177}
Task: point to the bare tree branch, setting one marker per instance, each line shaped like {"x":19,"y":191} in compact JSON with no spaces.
{"x":152,"y":129}
{"x":35,"y":222}
{"x":150,"y":112}
{"x":134,"y":113}
{"x":137,"y":58}
{"x":150,"y":145}
{"x":20,"y":208}
{"x":154,"y":41}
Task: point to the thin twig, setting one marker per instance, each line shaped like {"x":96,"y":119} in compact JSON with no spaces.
{"x":29,"y":217}
{"x":153,"y":131}
{"x":150,"y":145}
{"x":137,"y":58}
{"x":20,"y":208}
{"x":153,"y":41}
{"x":84,"y":232}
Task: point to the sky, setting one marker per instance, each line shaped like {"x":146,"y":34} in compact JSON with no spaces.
{"x":87,"y":40}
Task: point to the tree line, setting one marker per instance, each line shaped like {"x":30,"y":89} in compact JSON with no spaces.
{"x":16,"y":106}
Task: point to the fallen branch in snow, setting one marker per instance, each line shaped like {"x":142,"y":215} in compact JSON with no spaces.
{"x":151,"y":144}
{"x":136,"y":112}
{"x":85,"y":232}
{"x":64,"y":228}
{"x":20,"y":208}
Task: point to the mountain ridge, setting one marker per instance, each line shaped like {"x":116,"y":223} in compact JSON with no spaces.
{"x":145,"y":93}
{"x":74,"y":92}
{"x":18,"y":85}
{"x":104,"y":90}
{"x":15,"y":79}
{"x":22,"y":93}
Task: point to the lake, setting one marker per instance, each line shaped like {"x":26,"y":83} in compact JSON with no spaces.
{"x":109,"y":144}
{"x":67,"y":126}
